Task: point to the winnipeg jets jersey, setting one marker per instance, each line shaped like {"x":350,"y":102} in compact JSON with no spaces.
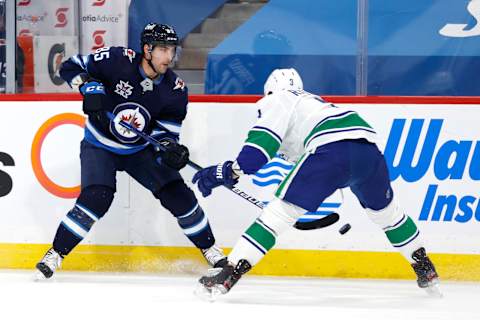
{"x":295,"y":122}
{"x":129,"y":95}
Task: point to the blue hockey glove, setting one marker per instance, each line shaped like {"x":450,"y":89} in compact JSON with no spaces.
{"x":174,"y":155}
{"x":214,"y":176}
{"x":93,"y":94}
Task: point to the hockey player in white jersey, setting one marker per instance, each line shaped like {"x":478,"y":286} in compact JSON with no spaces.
{"x":332,"y":148}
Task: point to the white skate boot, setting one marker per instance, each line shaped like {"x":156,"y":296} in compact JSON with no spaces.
{"x":50,"y":262}
{"x":214,"y":256}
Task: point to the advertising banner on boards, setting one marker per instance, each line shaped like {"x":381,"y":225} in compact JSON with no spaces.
{"x":432,"y":152}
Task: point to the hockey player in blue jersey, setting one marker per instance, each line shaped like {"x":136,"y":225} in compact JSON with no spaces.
{"x":141,"y":89}
{"x":332,"y":148}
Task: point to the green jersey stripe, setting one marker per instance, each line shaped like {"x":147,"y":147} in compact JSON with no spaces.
{"x":266,"y":130}
{"x":287,"y":179}
{"x":264,"y":140}
{"x":347,"y":121}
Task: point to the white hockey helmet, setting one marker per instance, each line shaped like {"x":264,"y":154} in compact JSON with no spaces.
{"x":283,"y":79}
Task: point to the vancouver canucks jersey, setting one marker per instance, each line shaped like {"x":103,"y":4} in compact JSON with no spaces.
{"x":129,"y":95}
{"x":295,"y":122}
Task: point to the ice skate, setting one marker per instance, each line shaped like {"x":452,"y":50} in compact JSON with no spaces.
{"x":219,"y":281}
{"x":427,"y":277}
{"x":209,"y":294}
{"x":51,"y":261}
{"x":214,"y":256}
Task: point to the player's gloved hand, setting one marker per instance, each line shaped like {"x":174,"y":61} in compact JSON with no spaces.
{"x":174,"y":155}
{"x":93,"y":94}
{"x":215,"y":176}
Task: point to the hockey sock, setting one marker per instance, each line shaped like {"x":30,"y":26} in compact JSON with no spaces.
{"x":404,"y":236}
{"x":182,"y":203}
{"x":73,"y":228}
{"x":261,"y":236}
{"x":257,"y":240}
{"x":92,"y":204}
{"x":400,"y":229}
{"x":196,"y":227}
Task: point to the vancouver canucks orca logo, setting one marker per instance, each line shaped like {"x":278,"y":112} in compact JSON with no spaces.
{"x":273,"y":173}
{"x":132,"y":113}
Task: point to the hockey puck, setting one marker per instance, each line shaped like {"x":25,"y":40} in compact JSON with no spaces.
{"x":344,"y":229}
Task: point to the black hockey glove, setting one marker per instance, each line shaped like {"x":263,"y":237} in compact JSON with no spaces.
{"x":174,"y":155}
{"x":93,"y":94}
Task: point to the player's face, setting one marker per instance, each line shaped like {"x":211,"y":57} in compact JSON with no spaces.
{"x":162,"y":56}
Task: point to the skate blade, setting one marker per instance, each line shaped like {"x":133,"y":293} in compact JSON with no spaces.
{"x":434,"y":291}
{"x":207,"y":294}
{"x":39,"y":276}
{"x":213,"y":272}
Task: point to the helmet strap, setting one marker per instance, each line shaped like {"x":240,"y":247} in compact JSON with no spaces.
{"x":149,"y":61}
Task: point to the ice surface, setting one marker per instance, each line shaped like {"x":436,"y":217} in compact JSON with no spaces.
{"x":149,"y":296}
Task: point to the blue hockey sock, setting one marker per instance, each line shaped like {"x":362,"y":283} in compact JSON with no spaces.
{"x":73,"y":228}
{"x":196,"y":227}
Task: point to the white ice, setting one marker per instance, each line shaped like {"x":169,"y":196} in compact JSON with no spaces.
{"x":148,"y":296}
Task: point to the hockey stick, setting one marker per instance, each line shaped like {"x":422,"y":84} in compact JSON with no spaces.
{"x":310,"y":225}
{"x":319,"y":223}
{"x":316,"y":224}
{"x":157,"y":144}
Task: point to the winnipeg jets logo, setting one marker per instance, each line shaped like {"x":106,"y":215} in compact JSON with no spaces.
{"x":129,"y":53}
{"x":135,"y":115}
{"x":179,"y":84}
{"x":124,"y":89}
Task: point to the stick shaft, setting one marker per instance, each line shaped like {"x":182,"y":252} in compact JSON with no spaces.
{"x":318,"y":224}
{"x":156,"y":143}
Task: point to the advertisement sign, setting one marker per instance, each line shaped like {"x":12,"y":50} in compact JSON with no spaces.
{"x":432,"y":151}
{"x":50,"y":52}
{"x":103,"y":23}
{"x":40,"y":174}
{"x":46,"y":18}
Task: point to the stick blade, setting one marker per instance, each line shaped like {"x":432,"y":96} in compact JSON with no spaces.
{"x":318,"y":224}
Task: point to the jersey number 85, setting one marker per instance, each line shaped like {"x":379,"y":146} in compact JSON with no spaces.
{"x":101,"y":53}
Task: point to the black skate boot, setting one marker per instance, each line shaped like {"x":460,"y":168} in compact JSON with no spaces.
{"x":427,"y":277}
{"x":215,"y":257}
{"x":221,"y":280}
{"x":49,"y":263}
